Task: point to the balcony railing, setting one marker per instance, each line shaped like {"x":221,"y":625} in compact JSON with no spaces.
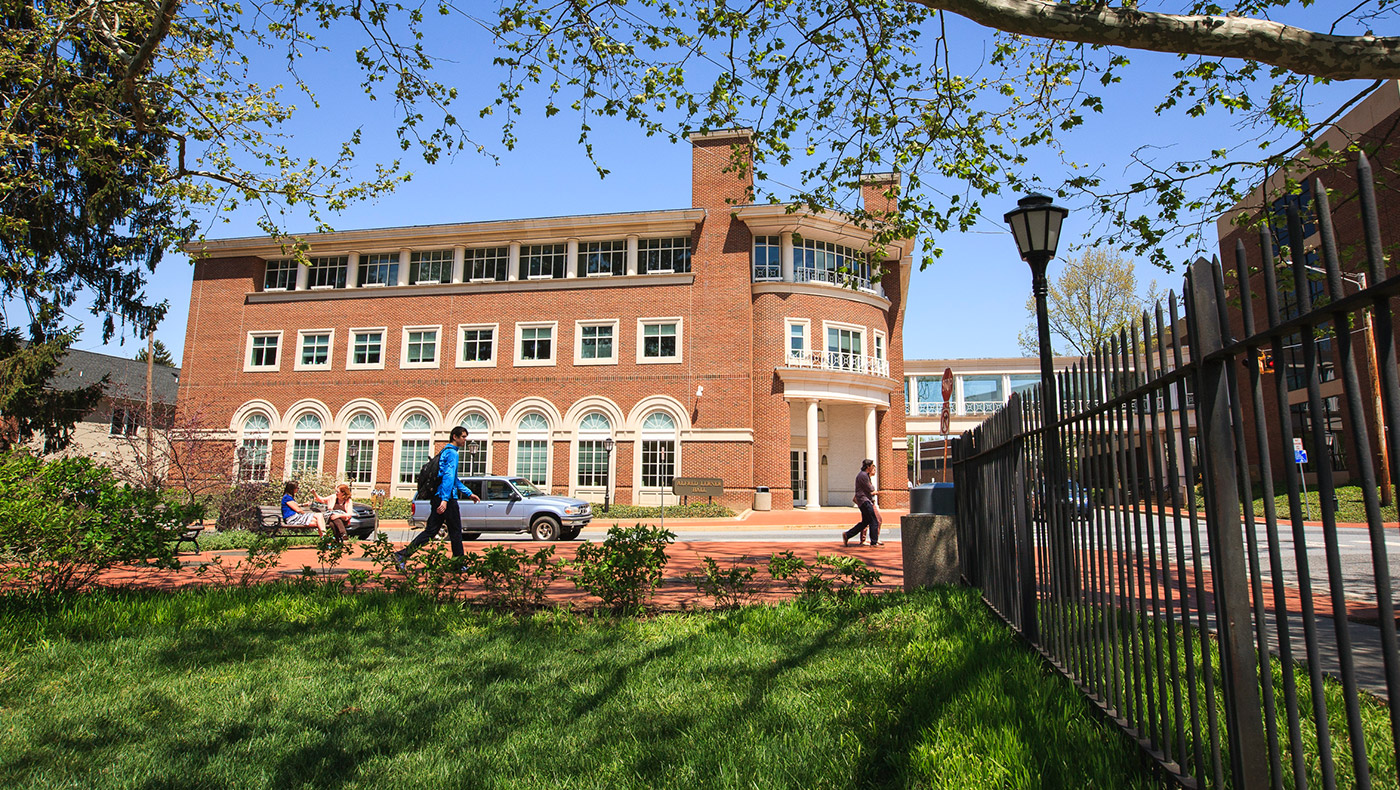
{"x":833,"y":277}
{"x":839,"y":360}
{"x":969,"y":408}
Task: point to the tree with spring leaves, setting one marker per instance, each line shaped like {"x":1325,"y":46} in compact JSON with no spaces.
{"x":1094,"y":300}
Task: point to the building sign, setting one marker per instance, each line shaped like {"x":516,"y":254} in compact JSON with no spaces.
{"x":697,"y":486}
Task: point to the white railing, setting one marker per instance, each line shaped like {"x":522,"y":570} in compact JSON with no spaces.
{"x":832,"y":277}
{"x":929,"y":409}
{"x":838,"y":360}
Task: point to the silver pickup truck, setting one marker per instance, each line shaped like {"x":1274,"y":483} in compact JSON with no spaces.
{"x":514,"y":504}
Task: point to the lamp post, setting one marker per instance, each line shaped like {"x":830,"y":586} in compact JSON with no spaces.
{"x":608,"y":445}
{"x":1035,"y":222}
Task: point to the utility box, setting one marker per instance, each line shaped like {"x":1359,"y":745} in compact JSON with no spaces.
{"x":762,"y":498}
{"x":928,"y":537}
{"x":932,"y":498}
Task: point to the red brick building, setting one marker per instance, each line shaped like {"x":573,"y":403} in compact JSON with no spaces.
{"x":1374,"y":127}
{"x":728,"y":339}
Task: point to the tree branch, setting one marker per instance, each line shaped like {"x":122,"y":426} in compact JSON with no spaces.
{"x":1300,"y":51}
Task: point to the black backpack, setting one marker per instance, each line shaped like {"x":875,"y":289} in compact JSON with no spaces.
{"x":429,"y":477}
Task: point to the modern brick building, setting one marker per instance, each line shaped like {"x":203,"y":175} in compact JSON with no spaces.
{"x":1373,"y":126}
{"x":745,"y":342}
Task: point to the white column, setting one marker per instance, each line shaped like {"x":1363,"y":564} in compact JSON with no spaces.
{"x":570,"y":258}
{"x":785,"y":254}
{"x":513,"y":263}
{"x":352,"y":270}
{"x":871,"y":440}
{"x":303,"y":276}
{"x":958,"y":406}
{"x":405,"y":255}
{"x":814,"y":459}
{"x":631,"y":255}
{"x":459,"y":255}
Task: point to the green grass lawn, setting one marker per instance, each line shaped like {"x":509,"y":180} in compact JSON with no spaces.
{"x":281,"y":688}
{"x":1351,"y":507}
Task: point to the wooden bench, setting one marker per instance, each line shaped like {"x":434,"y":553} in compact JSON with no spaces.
{"x":187,"y":534}
{"x":270,"y":523}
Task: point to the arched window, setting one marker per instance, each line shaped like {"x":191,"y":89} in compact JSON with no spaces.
{"x":532,"y":448}
{"x":478,"y":434}
{"x":252,"y":451}
{"x":359,"y":448}
{"x":306,"y":444}
{"x":415,"y":446}
{"x":658,"y":450}
{"x":593,"y":430}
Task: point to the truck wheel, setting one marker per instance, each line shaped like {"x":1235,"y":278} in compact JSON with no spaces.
{"x":545,"y":528}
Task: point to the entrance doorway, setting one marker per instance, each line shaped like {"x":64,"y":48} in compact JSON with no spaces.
{"x":798,"y":466}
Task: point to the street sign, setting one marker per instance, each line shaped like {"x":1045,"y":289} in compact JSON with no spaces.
{"x":697,"y":486}
{"x":1297,"y":445}
{"x":1300,"y":456}
{"x":944,"y":422}
{"x":947,"y":384}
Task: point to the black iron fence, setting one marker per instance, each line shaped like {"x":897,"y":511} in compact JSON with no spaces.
{"x":1241,"y":647}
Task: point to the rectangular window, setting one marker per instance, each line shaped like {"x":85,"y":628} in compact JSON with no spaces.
{"x":315,"y":350}
{"x":798,"y":473}
{"x":601,"y":258}
{"x":420,"y":346}
{"x":879,"y":346}
{"x":478,"y":346}
{"x":262,"y":351}
{"x":473,"y":464}
{"x":592,"y":464}
{"x":1024,"y":382}
{"x":767,"y":258}
{"x":844,"y":348}
{"x":413,"y":453}
{"x":430,"y":266}
{"x":834,"y":264}
{"x":532,"y":460}
{"x":982,"y":394}
{"x":535,"y":344}
{"x":658,"y":463}
{"x":659,"y":341}
{"x":125,"y":422}
{"x":306,"y":454}
{"x":253,"y":466}
{"x":359,"y":460}
{"x":280,"y":276}
{"x":664,"y":256}
{"x":596,"y":342}
{"x":542,"y":262}
{"x":366,"y":348}
{"x":486,"y":264}
{"x":797,"y":340}
{"x":326,"y":272}
{"x":380,"y":268}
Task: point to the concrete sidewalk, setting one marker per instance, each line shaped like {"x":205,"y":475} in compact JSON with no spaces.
{"x":826,"y":518}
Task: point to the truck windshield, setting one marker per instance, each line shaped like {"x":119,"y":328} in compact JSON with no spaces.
{"x":525,"y":487}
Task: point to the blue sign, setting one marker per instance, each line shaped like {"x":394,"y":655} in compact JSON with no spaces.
{"x":1300,"y":456}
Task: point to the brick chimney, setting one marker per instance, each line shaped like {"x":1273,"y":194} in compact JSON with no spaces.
{"x":716,"y":181}
{"x":879,"y":193}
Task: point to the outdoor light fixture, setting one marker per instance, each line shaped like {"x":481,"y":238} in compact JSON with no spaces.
{"x":1036,"y":225}
{"x":472,"y":447}
{"x":608,"y":445}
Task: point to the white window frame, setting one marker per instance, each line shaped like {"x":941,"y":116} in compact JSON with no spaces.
{"x":591,"y":435}
{"x":285,"y":268}
{"x":501,"y":260}
{"x":329,"y":263}
{"x":495,"y":345}
{"x":544,"y":435}
{"x":579,"y":359}
{"x":297,"y":435}
{"x":297,"y":364}
{"x":437,"y":347}
{"x":403,"y":435}
{"x":350,"y":363}
{"x":642,"y":323}
{"x":879,"y":345}
{"x":441,"y":258}
{"x":245,"y":436}
{"x":249,"y":367}
{"x":864,"y":333}
{"x":646,"y":435}
{"x":353,"y":434}
{"x":553,"y":326}
{"x":482,"y":437}
{"x":790,"y":356}
{"x":390,"y":266}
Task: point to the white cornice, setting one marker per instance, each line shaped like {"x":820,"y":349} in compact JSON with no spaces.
{"x":447,"y":289}
{"x":830,"y":291}
{"x":836,"y":386}
{"x":768,"y":219}
{"x":500,"y":232}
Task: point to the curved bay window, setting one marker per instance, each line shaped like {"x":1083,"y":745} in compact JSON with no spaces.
{"x":478,"y":436}
{"x":532,"y":448}
{"x":593,"y":432}
{"x":253,"y":449}
{"x":658,"y":450}
{"x":359,"y":449}
{"x":415,"y":446}
{"x":306,"y":444}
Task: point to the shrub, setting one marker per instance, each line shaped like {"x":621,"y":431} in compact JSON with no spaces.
{"x":729,"y":588}
{"x":264,"y":555}
{"x":694,"y":510}
{"x":827,"y":576}
{"x":63,"y":522}
{"x":625,"y":569}
{"x":243,"y":539}
{"x":238,"y":507}
{"x":514,"y":579}
{"x":395,"y":507}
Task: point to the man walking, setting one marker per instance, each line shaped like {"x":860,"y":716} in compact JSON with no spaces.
{"x":865,"y":500}
{"x":444,"y":501}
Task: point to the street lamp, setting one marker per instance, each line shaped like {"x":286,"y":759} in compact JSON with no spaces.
{"x":608,"y":445}
{"x":1035,"y":223}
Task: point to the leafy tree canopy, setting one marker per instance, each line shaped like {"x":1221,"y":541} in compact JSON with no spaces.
{"x":1092,"y":301}
{"x":162,"y":355}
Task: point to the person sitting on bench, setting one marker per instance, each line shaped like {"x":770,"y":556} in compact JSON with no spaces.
{"x":295,"y":514}
{"x":341,"y":509}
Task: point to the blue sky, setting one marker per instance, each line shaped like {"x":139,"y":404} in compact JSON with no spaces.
{"x":968,"y":303}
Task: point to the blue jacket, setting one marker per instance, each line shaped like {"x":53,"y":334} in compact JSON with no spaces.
{"x":448,"y":484}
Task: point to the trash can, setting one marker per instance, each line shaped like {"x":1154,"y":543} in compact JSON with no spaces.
{"x":762,"y":498}
{"x":935,"y":498}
